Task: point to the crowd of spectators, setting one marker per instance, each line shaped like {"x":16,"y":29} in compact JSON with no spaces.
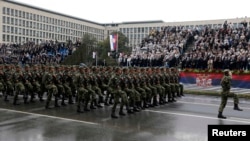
{"x":160,"y":48}
{"x":226,"y":47}
{"x":48,"y":52}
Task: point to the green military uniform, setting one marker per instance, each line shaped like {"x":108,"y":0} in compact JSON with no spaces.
{"x":36,"y":80}
{"x":81,"y":91}
{"x":51,"y":87}
{"x":58,"y":79}
{"x":67,"y":81}
{"x":144,"y":86}
{"x":116,"y":83}
{"x":19,"y":86}
{"x":9,"y":86}
{"x":98,"y":96}
{"x":90,"y":96}
{"x":130,"y":90}
{"x":106,"y":79}
{"x":27,"y":83}
{"x":226,"y":86}
{"x":2,"y":85}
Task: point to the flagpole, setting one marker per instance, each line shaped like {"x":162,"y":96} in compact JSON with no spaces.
{"x":117,"y":47}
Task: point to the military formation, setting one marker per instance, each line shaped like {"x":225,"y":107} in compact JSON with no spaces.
{"x":132,"y":88}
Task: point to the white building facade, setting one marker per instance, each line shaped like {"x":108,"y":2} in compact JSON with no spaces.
{"x":20,"y":23}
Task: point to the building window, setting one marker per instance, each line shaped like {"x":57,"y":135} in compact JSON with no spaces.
{"x":27,"y":23}
{"x":16,"y":39}
{"x":4,"y":10}
{"x":16,"y":21}
{"x":12,"y":12}
{"x":27,"y":15}
{"x":8,"y":11}
{"x":12,"y":21}
{"x":8,"y":20}
{"x":12,"y":29}
{"x":4,"y":19}
{"x":4,"y":38}
{"x":16,"y":29}
{"x":20,"y":14}
{"x":23,"y":15}
{"x":37,"y":17}
{"x":12,"y":38}
{"x":31,"y":16}
{"x":8,"y":38}
{"x":16,"y":13}
{"x":8,"y":29}
{"x":4,"y":28}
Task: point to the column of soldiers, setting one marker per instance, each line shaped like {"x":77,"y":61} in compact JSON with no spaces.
{"x":89,"y":87}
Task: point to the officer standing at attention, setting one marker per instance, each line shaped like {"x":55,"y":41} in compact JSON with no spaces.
{"x":226,"y":85}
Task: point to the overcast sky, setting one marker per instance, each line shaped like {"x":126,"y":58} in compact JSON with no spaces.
{"x":108,"y":11}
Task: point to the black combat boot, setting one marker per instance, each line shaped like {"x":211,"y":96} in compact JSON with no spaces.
{"x":92,"y":105}
{"x":98,"y":104}
{"x":40,"y":95}
{"x":113,"y":115}
{"x":236,"y":107}
{"x":15,"y":101}
{"x":63,"y":101}
{"x":86,"y":105}
{"x":79,"y":109}
{"x":25,"y":100}
{"x":56,"y":103}
{"x":129,"y":110}
{"x":6,"y":98}
{"x":221,"y":116}
{"x":32,"y":99}
{"x":106,"y":102}
{"x":47,"y":105}
{"x":70,"y":100}
{"x":155,"y":101}
{"x":121,"y":113}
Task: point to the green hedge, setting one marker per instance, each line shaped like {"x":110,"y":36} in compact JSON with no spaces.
{"x":213,"y":93}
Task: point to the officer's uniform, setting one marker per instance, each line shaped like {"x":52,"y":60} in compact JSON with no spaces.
{"x":225,"y":93}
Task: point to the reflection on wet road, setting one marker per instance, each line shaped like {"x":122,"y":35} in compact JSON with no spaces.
{"x":185,"y":120}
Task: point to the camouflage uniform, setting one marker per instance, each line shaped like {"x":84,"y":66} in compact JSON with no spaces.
{"x":58,"y":79}
{"x":81,"y":91}
{"x":116,"y":83}
{"x":226,"y":86}
{"x":36,"y":80}
{"x":95,"y":86}
{"x":2,"y":83}
{"x":9,"y":86}
{"x":27,"y":83}
{"x":67,"y":81}
{"x":51,"y":87}
{"x":18,"y":79}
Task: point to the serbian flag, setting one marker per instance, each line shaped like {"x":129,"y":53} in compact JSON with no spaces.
{"x":113,"y":42}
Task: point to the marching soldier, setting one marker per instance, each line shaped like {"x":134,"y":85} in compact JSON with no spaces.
{"x":51,"y":87}
{"x":9,"y":86}
{"x":115,"y":83}
{"x":67,"y":81}
{"x":36,"y":80}
{"x":18,"y":79}
{"x":226,"y":86}
{"x":81,"y":92}
{"x":27,"y":83}
{"x":59,"y":84}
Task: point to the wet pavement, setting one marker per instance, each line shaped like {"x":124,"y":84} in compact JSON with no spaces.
{"x":185,"y":120}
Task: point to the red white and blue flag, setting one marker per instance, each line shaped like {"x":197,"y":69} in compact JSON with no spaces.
{"x":113,"y":42}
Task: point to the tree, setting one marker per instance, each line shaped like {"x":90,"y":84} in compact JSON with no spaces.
{"x":83,"y":54}
{"x":103,"y":49}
